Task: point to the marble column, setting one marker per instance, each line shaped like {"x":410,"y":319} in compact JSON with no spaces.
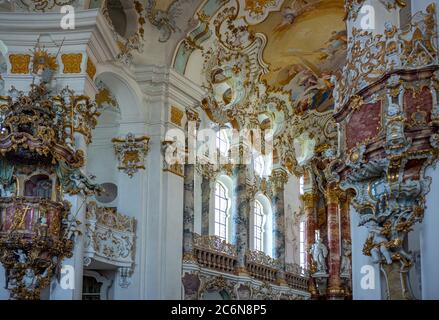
{"x":309,"y":205}
{"x":278,"y":179}
{"x":208,"y":174}
{"x":335,"y":290}
{"x":240,"y":216}
{"x":345,"y":220}
{"x":345,"y":228}
{"x":188,"y":213}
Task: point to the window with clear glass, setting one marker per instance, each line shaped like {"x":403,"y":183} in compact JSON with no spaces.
{"x":301,"y":185}
{"x":222,"y":142}
{"x":259,"y":165}
{"x":258,"y":226}
{"x":302,"y":244}
{"x":221,"y":203}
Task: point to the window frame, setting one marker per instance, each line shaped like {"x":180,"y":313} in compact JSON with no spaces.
{"x":220,"y":211}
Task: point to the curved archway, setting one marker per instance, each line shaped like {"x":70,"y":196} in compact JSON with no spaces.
{"x":126,"y":91}
{"x":227,"y":183}
{"x":266,"y":225}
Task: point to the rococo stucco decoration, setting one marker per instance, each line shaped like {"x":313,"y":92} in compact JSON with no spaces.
{"x":39,"y":164}
{"x":110,"y":238}
{"x":131,"y":152}
{"x":385,"y":161}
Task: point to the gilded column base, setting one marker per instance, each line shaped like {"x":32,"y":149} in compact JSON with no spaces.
{"x":188,"y":257}
{"x":397,"y":284}
{"x":313,"y":290}
{"x":242,"y":271}
{"x":281,"y":282}
{"x":336,"y":293}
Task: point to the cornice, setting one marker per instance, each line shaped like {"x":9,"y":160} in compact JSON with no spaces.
{"x":18,"y":29}
{"x":163,"y":79}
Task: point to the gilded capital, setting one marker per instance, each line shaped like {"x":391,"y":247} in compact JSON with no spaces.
{"x":278,"y":179}
{"x":334,"y":195}
{"x":310,"y":200}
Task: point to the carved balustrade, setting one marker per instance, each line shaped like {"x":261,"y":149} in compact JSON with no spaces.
{"x":215,"y":253}
{"x":296,"y":277}
{"x":262,"y":266}
{"x":109,"y":236}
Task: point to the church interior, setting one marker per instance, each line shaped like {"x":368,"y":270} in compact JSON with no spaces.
{"x":219,"y":149}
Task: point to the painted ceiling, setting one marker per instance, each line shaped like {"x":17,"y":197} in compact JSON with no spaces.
{"x":304,"y":43}
{"x":269,"y":63}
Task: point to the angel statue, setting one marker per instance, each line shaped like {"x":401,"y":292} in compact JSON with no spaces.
{"x":165,"y":21}
{"x":319,"y":253}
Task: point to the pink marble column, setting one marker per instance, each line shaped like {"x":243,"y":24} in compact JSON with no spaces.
{"x":309,"y":204}
{"x":335,"y":289}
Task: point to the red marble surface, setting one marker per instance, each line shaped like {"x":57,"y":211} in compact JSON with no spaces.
{"x":363,"y":124}
{"x":310,"y":224}
{"x":413,"y":168}
{"x":418,"y":101}
{"x":345,"y":221}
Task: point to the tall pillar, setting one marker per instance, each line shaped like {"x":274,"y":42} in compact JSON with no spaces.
{"x":279,"y":178}
{"x":309,"y":205}
{"x":206,"y":192}
{"x":346,"y":241}
{"x":188,"y":213}
{"x":335,"y":290}
{"x":240,"y":215}
{"x":345,"y":222}
{"x":208,"y":177}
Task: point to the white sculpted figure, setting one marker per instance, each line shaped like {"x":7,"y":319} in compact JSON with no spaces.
{"x":22,"y":258}
{"x":319,"y":253}
{"x":345,"y":268}
{"x":379,"y":250}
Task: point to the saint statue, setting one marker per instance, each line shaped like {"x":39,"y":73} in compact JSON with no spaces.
{"x":319,"y":253}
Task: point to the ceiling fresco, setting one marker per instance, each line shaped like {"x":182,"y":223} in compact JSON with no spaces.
{"x":270,"y":63}
{"x":306,"y":44}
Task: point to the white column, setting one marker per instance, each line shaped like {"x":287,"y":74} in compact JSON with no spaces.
{"x":163,"y":243}
{"x":132,"y":202}
{"x":430,"y":239}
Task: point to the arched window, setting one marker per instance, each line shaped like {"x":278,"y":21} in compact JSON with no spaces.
{"x":221,"y":204}
{"x":258,"y":226}
{"x":222,"y":142}
{"x":302,"y":244}
{"x":302,"y":185}
{"x":259,"y":165}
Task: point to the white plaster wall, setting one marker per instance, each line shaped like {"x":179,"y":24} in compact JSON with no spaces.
{"x":430,"y":240}
{"x":359,"y":235}
{"x":381,"y":16}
